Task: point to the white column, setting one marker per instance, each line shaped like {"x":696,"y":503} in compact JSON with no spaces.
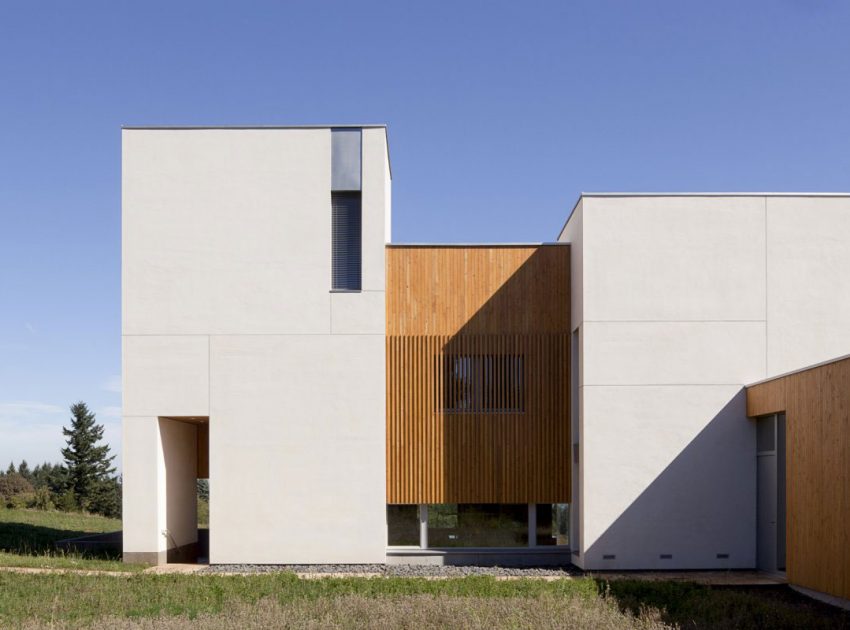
{"x":423,"y":525}
{"x":143,"y":490}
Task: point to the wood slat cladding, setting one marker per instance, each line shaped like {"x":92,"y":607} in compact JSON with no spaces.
{"x":503,"y":314}
{"x":204,"y":450}
{"x":478,"y":290}
{"x":816,"y":403}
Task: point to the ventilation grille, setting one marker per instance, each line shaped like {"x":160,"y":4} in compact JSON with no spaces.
{"x":346,"y":241}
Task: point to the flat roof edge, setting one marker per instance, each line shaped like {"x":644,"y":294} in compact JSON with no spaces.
{"x":226,"y":127}
{"x":695,"y":194}
{"x":482,"y":245}
{"x":799,"y":370}
{"x":714,"y":194}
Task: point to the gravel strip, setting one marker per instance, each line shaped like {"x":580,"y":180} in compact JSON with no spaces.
{"x":395,"y":570}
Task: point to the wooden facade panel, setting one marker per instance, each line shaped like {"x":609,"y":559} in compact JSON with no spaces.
{"x":766,"y":398}
{"x":477,"y":290}
{"x":203,"y":450}
{"x":817,"y":412}
{"x":500,"y":314}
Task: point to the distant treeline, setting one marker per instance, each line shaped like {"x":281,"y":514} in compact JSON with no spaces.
{"x":86,"y":481}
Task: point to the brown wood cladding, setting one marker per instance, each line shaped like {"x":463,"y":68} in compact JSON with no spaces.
{"x":816,"y":403}
{"x":204,"y":450}
{"x":470,"y":302}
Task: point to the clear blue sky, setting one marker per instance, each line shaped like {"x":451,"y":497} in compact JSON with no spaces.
{"x":499,"y":115}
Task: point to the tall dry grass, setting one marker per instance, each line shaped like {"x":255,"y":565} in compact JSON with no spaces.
{"x":419,"y":612}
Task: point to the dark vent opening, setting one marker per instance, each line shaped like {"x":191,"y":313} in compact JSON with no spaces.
{"x":722,"y":556}
{"x":666,"y":556}
{"x":609,"y":557}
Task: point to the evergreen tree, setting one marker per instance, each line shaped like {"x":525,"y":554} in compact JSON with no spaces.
{"x":203,"y":489}
{"x":50,"y":476}
{"x":24,"y":470}
{"x":106,"y":498}
{"x":11,"y":469}
{"x":88,"y":464}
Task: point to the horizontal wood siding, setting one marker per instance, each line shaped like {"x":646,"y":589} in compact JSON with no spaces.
{"x":816,"y":403}
{"x":478,"y":302}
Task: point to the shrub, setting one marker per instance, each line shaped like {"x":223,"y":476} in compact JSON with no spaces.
{"x":42,"y":500}
{"x":20,"y":501}
{"x":67,"y":502}
{"x":12,"y":484}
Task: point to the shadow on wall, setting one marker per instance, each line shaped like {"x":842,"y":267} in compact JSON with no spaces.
{"x":699,"y":513}
{"x":505,"y":384}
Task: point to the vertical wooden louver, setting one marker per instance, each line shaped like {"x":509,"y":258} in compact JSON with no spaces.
{"x":478,"y":374}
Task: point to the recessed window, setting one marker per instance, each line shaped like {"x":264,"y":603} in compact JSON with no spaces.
{"x":553,"y":524}
{"x":346,"y":248}
{"x":403,"y":525}
{"x":483,"y":383}
{"x":477,"y":525}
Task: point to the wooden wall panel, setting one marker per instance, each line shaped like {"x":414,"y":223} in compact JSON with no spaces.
{"x":204,"y":450}
{"x":766,"y":398}
{"x":478,"y":290}
{"x":817,"y":412}
{"x":477,"y":302}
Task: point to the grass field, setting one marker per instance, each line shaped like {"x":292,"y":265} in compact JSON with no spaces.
{"x":143,"y":600}
{"x":283,"y":600}
{"x":28,"y":537}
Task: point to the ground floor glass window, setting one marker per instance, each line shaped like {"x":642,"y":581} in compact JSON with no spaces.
{"x":553,"y":524}
{"x":477,"y":525}
{"x":403,"y":525}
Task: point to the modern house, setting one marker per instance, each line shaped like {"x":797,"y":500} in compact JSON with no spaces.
{"x":352,"y":400}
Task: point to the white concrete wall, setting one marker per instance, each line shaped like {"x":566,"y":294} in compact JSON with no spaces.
{"x":180,"y":457}
{"x":159,"y":500}
{"x":143,"y":509}
{"x":684,"y":300}
{"x":297,"y":470}
{"x":573,"y":233}
{"x":227,"y":262}
{"x":808,"y":281}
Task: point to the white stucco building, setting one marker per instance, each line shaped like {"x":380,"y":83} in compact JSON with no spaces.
{"x":678,"y":301}
{"x":356,"y":401}
{"x":230,"y":319}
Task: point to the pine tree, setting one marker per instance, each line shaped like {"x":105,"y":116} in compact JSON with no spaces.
{"x":88,"y":465}
{"x":11,"y":469}
{"x":24,"y":470}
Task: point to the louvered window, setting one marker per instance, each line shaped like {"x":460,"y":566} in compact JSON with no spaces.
{"x":483,"y":383}
{"x":346,"y":247}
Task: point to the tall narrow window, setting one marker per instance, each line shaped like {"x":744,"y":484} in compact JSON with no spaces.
{"x":346,"y":247}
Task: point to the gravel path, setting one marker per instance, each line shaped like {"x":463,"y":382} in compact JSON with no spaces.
{"x":394,"y":570}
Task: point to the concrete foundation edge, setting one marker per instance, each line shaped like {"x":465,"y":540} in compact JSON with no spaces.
{"x":826,"y":598}
{"x":145,"y":557}
{"x":482,"y":558}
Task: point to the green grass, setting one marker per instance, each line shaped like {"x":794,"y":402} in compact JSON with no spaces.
{"x":28,"y":537}
{"x":68,"y":597}
{"x":74,"y":600}
{"x":690,"y":605}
